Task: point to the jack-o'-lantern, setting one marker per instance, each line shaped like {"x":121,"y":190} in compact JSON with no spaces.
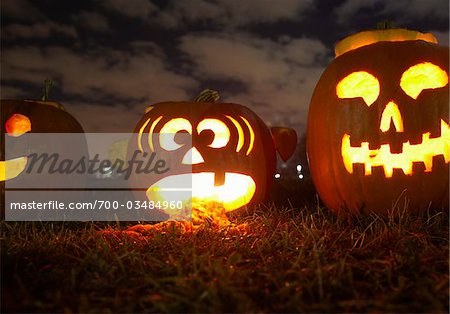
{"x":230,"y":160}
{"x":20,"y":117}
{"x":378,"y":133}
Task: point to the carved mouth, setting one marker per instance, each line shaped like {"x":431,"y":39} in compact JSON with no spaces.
{"x":10,"y":169}
{"x":382,"y":157}
{"x":236,"y":191}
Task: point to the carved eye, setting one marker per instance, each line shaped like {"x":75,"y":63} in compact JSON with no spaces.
{"x":359,"y":84}
{"x":167,"y":135}
{"x":422,"y":76}
{"x":17,"y":125}
{"x":220,"y":130}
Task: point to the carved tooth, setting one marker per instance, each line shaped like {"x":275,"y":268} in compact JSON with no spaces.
{"x":354,"y":142}
{"x":418,"y":167}
{"x":384,"y":161}
{"x":367,"y":169}
{"x":415,"y":139}
{"x":374,"y":144}
{"x":378,"y":171}
{"x":388,"y":171}
{"x":358,"y":168}
{"x":438,"y":162}
{"x":407,"y":168}
{"x":428,"y":162}
{"x":219,"y":178}
{"x":396,"y":147}
{"x":435,"y":130}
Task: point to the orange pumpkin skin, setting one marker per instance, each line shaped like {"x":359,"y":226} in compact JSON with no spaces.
{"x":44,"y":117}
{"x":259,"y":163}
{"x":330,"y":117}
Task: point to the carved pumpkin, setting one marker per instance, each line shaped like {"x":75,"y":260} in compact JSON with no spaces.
{"x":19,"y":117}
{"x":378,"y":128}
{"x":231,"y":161}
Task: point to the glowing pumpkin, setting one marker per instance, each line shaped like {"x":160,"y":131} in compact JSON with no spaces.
{"x":18,"y":117}
{"x":378,"y":128}
{"x":231,"y":161}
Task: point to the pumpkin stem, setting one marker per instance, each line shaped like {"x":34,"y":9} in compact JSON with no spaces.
{"x":386,"y":24}
{"x":48,"y":84}
{"x":207,"y":95}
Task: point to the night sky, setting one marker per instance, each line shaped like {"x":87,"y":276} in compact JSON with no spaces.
{"x":110,"y":59}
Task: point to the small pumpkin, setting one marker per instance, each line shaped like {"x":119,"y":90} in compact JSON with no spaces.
{"x":231,"y":159}
{"x":378,"y":132}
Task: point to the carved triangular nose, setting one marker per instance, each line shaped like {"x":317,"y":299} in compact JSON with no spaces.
{"x":192,"y":157}
{"x":391,"y":115}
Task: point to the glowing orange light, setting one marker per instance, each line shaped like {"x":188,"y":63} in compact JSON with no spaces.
{"x":359,"y":84}
{"x":236,"y":191}
{"x":422,"y":76}
{"x":240,"y":133}
{"x":192,"y":157}
{"x":12,"y":168}
{"x":220,"y":130}
{"x":168,"y":131}
{"x":382,"y":157}
{"x":17,"y":125}
{"x":366,"y":38}
{"x":150,"y":133}
{"x":212,"y":213}
{"x":141,"y":131}
{"x":391,"y":113}
{"x":252,"y":135}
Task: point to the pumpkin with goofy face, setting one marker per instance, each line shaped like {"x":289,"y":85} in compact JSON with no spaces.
{"x":378,"y":126}
{"x":20,"y":117}
{"x":230,"y":157}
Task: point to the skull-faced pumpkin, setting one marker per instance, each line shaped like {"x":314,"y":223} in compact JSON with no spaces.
{"x":231,"y":159}
{"x":378,"y":125}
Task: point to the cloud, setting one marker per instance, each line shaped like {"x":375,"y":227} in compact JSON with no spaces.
{"x":420,"y":9}
{"x":304,"y":51}
{"x":92,"y":21}
{"x":38,"y":30}
{"x":442,"y":37}
{"x":104,"y":77}
{"x":249,"y":58}
{"x":133,"y":9}
{"x":278,"y":77}
{"x":226,"y":13}
{"x":95,"y":117}
{"x":231,"y":58}
{"x":406,"y":9}
{"x":105,"y":72}
{"x":11,"y":92}
{"x":21,"y":10}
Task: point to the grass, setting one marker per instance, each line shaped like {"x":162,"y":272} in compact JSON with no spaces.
{"x":280,"y":258}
